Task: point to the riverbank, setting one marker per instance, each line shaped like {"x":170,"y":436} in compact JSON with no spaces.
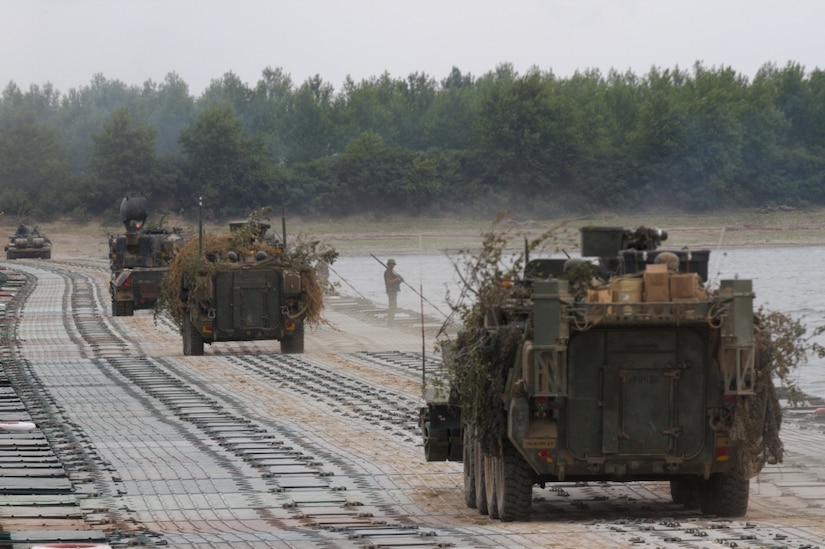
{"x":406,"y":235}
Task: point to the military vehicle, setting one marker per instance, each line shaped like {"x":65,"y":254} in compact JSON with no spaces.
{"x":240,"y":288}
{"x":139,"y":259}
{"x":28,"y":243}
{"x":647,"y":375}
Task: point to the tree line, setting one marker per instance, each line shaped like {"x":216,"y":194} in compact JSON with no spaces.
{"x":690,"y":140}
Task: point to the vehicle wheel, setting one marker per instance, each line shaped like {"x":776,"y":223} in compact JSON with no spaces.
{"x":192,"y":340}
{"x":685,"y":491}
{"x":294,"y":344}
{"x":478,"y":468}
{"x":514,"y":485}
{"x":725,"y":494}
{"x":468,"y":455}
{"x":490,"y":465}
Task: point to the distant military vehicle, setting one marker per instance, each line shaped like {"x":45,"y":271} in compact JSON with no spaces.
{"x":28,"y":243}
{"x":139,"y":259}
{"x":652,"y":376}
{"x":240,"y":288}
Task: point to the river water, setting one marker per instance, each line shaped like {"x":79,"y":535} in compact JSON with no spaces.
{"x":786,"y":280}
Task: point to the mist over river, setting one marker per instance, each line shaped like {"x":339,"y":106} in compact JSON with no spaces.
{"x":787,"y":280}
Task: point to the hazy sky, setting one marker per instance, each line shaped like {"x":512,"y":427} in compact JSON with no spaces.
{"x":67,"y":42}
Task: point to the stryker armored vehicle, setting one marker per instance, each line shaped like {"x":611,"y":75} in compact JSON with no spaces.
{"x":28,"y":243}
{"x":643,"y":374}
{"x":139,"y":259}
{"x":240,"y":287}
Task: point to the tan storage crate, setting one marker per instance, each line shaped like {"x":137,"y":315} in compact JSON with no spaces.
{"x":599,"y":296}
{"x":684,"y":286}
{"x":626,"y":290}
{"x":656,"y":283}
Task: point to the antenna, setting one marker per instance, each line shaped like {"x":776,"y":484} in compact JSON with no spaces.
{"x":200,"y":228}
{"x":283,"y":214}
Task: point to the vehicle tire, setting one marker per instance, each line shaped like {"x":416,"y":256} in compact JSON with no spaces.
{"x":294,"y":344}
{"x":468,"y":455}
{"x":685,"y":491}
{"x":490,"y":465}
{"x":725,"y":494}
{"x":192,"y":340}
{"x":514,"y":485}
{"x":478,"y":468}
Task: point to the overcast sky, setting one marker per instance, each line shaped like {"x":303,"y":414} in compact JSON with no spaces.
{"x":67,"y":42}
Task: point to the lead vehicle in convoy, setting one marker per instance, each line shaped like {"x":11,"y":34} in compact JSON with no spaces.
{"x":139,"y":259}
{"x":644,"y":374}
{"x":28,"y":243}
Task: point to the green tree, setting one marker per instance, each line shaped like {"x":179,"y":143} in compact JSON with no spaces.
{"x":231,"y":172}
{"x":311,"y":130}
{"x":32,"y":164}
{"x":272,"y":100}
{"x":123,"y":159}
{"x":707,"y":159}
{"x":450,"y":122}
{"x":168,"y":108}
{"x":375,"y":176}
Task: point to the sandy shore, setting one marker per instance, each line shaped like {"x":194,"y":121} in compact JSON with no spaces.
{"x":358,"y":236}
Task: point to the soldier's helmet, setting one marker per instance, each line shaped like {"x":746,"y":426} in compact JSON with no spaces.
{"x":670,"y":259}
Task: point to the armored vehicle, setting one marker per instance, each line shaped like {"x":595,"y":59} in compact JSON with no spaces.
{"x":643,"y":374}
{"x":139,"y":259}
{"x":28,"y":243}
{"x":240,"y":288}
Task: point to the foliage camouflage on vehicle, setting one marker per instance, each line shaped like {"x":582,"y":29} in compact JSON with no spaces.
{"x":244,"y":286}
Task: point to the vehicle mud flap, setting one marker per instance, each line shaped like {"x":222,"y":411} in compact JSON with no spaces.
{"x":293,"y":343}
{"x":436,"y":443}
{"x":685,"y":491}
{"x":192,"y":339}
{"x":491,"y":463}
{"x":478,"y":467}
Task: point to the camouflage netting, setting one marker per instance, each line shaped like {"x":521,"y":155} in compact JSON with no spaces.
{"x":757,"y":419}
{"x":482,"y":361}
{"x":780,"y":348}
{"x":215,"y":252}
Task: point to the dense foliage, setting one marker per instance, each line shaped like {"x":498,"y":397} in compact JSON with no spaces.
{"x":695,"y":139}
